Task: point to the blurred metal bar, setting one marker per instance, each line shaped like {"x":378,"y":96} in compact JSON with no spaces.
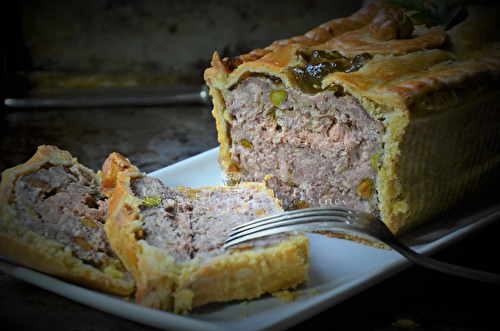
{"x":159,"y":97}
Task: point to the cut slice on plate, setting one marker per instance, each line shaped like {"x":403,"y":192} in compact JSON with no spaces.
{"x":171,"y":240}
{"x":52,"y":219}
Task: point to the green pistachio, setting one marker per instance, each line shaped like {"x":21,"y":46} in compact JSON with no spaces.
{"x":277,"y":97}
{"x":365,"y":188}
{"x":82,"y":243}
{"x":151,"y":201}
{"x":375,"y":162}
{"x":246,"y":144}
{"x":226,"y":116}
{"x":32,"y":211}
{"x":301,"y":205}
{"x":88,"y":223}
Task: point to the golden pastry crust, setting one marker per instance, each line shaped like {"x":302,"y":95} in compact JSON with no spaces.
{"x":316,"y":36}
{"x":166,"y":284}
{"x":36,"y":251}
{"x":424,"y":89}
{"x":113,"y":165}
{"x":361,"y":41}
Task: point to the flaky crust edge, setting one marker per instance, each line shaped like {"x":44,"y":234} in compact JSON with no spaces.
{"x":35,"y":251}
{"x":165,"y":284}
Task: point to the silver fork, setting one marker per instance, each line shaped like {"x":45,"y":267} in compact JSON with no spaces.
{"x":347,"y":220}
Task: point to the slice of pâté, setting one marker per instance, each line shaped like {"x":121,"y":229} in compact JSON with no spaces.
{"x":52,"y":219}
{"x":171,"y":240}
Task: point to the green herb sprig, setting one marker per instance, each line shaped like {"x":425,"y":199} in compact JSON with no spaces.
{"x":440,"y":12}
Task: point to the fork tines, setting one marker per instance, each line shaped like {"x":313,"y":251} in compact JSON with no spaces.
{"x":310,"y":219}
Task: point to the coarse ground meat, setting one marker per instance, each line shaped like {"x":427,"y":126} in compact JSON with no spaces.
{"x":67,"y":206}
{"x":316,"y":148}
{"x":195,"y":224}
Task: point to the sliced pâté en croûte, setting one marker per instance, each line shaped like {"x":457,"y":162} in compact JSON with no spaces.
{"x":171,"y":240}
{"x":403,"y":128}
{"x":52,"y":220}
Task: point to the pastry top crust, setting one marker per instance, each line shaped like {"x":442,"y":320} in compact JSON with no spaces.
{"x":361,"y":41}
{"x":401,"y":72}
{"x":35,"y":251}
{"x":316,"y":36}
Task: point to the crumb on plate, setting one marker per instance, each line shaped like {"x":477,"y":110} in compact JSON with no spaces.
{"x":287,"y":296}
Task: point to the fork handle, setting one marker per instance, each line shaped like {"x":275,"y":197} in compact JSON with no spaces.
{"x":444,"y":267}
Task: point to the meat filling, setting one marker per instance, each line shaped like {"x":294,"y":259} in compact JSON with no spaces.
{"x":318,"y":149}
{"x":67,"y":206}
{"x":195,"y":223}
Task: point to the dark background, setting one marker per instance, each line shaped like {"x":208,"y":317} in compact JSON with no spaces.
{"x":123,"y":46}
